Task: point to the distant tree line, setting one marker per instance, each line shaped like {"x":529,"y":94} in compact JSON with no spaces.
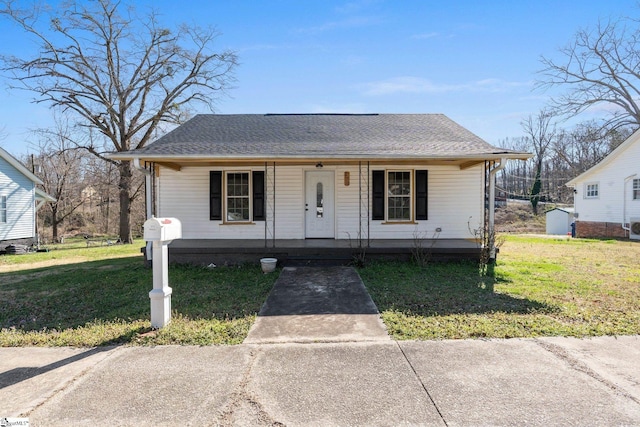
{"x":558,"y":157}
{"x":598,"y":72}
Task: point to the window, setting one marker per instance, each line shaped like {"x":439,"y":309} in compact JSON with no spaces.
{"x":399,"y":196}
{"x":591,"y":191}
{"x":3,"y":209}
{"x":636,"y":189}
{"x":238,"y":196}
{"x":242,"y":193}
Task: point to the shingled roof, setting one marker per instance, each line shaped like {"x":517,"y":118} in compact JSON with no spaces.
{"x":346,"y":136}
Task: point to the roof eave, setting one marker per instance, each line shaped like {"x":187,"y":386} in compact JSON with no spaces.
{"x":318,"y":156}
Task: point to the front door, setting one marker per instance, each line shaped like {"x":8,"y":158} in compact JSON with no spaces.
{"x":319,"y":204}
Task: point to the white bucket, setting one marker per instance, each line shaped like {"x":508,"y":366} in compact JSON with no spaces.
{"x":268,"y":264}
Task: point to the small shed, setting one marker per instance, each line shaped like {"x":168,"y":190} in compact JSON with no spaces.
{"x":559,"y":220}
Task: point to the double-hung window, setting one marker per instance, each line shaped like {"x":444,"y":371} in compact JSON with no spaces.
{"x":237,"y":200}
{"x":636,"y":189}
{"x":591,"y":191}
{"x":399,"y":195}
{"x":236,"y":196}
{"x":3,"y":209}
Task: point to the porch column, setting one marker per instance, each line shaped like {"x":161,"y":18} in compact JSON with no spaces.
{"x":491,"y":238}
{"x":270,"y":204}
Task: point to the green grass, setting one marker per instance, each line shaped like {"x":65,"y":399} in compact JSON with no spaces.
{"x":542,"y":287}
{"x":74,"y":250}
{"x":104,"y":302}
{"x":79,"y":296}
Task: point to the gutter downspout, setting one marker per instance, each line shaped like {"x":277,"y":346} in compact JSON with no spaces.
{"x":492,"y":208}
{"x":148,"y":197}
{"x":624,"y":200}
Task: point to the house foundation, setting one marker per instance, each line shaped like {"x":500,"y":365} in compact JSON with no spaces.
{"x":586,"y":229}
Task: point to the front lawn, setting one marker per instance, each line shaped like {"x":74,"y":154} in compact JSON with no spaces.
{"x":102,"y":297}
{"x":542,"y":287}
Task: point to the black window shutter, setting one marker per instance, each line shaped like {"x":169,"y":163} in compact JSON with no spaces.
{"x":421,"y":194}
{"x":215,"y":195}
{"x":258,"y":196}
{"x":377,"y":202}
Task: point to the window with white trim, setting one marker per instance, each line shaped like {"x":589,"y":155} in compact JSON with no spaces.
{"x":591,"y":191}
{"x":238,"y":196}
{"x":3,"y":209}
{"x":636,"y":189}
{"x":399,"y":196}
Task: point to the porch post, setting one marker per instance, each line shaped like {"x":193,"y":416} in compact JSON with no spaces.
{"x":492,"y":208}
{"x":363,"y":210}
{"x":270,"y":202}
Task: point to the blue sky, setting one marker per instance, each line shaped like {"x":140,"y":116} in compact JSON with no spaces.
{"x":475,"y":61}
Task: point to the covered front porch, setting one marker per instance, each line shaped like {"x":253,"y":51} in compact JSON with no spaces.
{"x":317,"y":251}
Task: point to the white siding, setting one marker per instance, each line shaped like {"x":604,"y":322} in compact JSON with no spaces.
{"x":454,"y":205}
{"x":613,"y":196}
{"x":20,"y":192}
{"x":185,"y":195}
{"x":455,"y":201}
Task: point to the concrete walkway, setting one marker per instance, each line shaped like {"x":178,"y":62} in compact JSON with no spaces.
{"x":311,"y":304}
{"x":541,"y":382}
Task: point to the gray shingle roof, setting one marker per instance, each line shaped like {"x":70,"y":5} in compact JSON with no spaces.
{"x":318,"y":135}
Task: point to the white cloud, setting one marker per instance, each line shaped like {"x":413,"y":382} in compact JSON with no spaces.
{"x":424,"y":36}
{"x":355,"y":22}
{"x":410,"y":84}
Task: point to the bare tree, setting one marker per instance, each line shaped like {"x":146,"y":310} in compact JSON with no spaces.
{"x":60,"y":167}
{"x":599,"y":68}
{"x":540,"y":132}
{"x":118,"y":72}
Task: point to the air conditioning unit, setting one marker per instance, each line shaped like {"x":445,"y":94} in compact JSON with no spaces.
{"x":634,"y":228}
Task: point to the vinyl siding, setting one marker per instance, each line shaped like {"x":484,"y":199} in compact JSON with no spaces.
{"x":185,"y":195}
{"x":20,"y":192}
{"x":455,"y":200}
{"x":608,"y":206}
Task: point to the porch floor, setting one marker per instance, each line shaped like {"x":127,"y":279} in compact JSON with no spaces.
{"x":314,"y":251}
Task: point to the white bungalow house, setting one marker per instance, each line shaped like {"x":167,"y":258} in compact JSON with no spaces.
{"x":292,"y":184}
{"x":20,"y":199}
{"x":607,"y":196}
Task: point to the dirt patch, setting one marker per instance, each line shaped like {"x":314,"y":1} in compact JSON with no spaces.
{"x":519,"y":218}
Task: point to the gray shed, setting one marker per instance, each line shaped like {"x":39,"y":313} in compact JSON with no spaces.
{"x":559,"y":220}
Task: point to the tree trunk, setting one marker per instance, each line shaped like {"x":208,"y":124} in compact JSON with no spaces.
{"x":535,"y":190}
{"x":54,"y":224}
{"x":125,"y":201}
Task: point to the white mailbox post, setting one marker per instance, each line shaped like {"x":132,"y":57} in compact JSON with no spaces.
{"x":160,"y":232}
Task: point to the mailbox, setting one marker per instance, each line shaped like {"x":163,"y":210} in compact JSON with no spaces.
{"x":159,"y":232}
{"x":162,"y":229}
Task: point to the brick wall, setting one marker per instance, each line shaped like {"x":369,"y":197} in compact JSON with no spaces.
{"x":600,"y":229}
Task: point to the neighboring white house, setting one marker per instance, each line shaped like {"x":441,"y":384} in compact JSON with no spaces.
{"x":19,"y":200}
{"x":607,"y":196}
{"x":559,"y":220}
{"x":321,"y":176}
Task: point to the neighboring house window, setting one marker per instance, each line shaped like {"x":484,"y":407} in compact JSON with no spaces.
{"x":243,"y":196}
{"x":591,"y":191}
{"x":399,"y":196}
{"x":636,"y":189}
{"x":3,"y":209}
